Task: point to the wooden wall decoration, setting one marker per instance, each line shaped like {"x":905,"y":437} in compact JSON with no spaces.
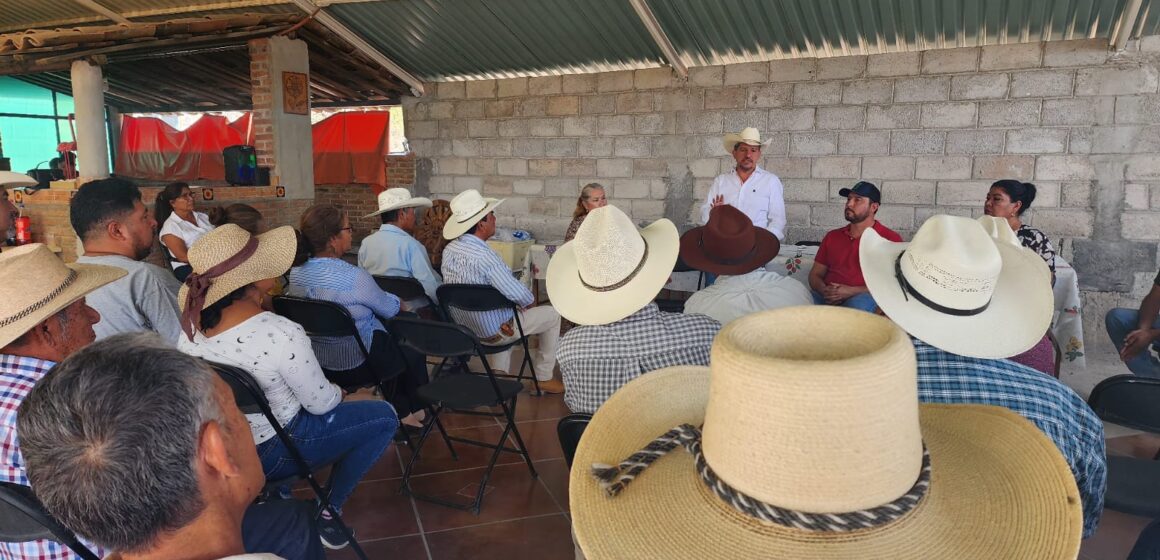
{"x":295,"y":93}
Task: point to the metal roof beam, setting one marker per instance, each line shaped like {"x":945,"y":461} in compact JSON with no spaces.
{"x":340,"y":29}
{"x":1127,"y":25}
{"x":94,"y":6}
{"x":658,"y":34}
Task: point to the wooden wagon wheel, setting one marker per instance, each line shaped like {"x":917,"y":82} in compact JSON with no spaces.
{"x":430,"y":231}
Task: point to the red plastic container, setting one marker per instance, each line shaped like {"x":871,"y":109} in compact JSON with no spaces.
{"x":23,"y":230}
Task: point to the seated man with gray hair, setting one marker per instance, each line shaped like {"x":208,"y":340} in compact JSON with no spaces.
{"x":140,"y":449}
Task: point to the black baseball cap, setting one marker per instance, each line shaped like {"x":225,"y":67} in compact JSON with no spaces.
{"x":863,"y":189}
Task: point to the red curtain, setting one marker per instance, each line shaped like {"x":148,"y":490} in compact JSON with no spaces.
{"x":352,"y":148}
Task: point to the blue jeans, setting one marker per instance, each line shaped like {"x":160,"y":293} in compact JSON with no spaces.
{"x":352,"y":436}
{"x":1122,"y":321}
{"x":863,"y":301}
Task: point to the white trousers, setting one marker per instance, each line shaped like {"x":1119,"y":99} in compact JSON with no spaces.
{"x":544,"y":322}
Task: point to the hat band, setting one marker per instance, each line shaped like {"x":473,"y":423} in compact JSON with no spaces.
{"x":908,"y":289}
{"x":739,"y":260}
{"x":615,"y":478}
{"x":199,"y":285}
{"x":627,"y":279}
{"x":473,"y":215}
{"x":72,"y":276}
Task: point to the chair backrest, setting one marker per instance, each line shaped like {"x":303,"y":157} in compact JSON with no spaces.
{"x":248,"y":395}
{"x":1128,"y":400}
{"x":319,"y":318}
{"x":569,"y":429}
{"x":472,"y":297}
{"x":23,"y":518}
{"x":434,"y":338}
{"x":404,"y":287}
{"x":682,"y":266}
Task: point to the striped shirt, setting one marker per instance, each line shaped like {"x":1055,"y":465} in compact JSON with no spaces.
{"x":468,"y":260}
{"x":17,"y":377}
{"x":1052,"y":406}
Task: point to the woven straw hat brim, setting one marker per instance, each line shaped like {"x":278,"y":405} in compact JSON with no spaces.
{"x":415,"y":202}
{"x":89,"y":278}
{"x":695,"y":256}
{"x":588,"y":307}
{"x":731,"y":139}
{"x":453,"y":229}
{"x":273,"y":258}
{"x":1016,"y":319}
{"x":999,"y":489}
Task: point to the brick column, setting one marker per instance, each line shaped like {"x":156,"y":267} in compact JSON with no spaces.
{"x":282,"y":140}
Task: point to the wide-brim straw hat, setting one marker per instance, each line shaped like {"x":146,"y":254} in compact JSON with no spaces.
{"x":36,"y":284}
{"x":611,"y":270}
{"x":397,"y":199}
{"x":467,"y":209}
{"x":996,"y":295}
{"x":815,"y":409}
{"x":728,"y":244}
{"x":11,"y":179}
{"x":748,"y":135}
{"x":272,"y":258}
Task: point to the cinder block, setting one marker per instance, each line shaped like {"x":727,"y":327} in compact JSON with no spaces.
{"x":464,"y":183}
{"x":680,"y":100}
{"x":942,"y":167}
{"x":747,"y":73}
{"x":477,"y":129}
{"x":545,"y":85}
{"x":806,"y":190}
{"x":649,"y":167}
{"x":544,"y":127}
{"x":791,"y":119}
{"x":481,"y":89}
{"x":565,"y":188}
{"x":1142,"y":168}
{"x":777,"y":144}
{"x":579,"y":167}
{"x":950,"y":61}
{"x":634,"y":102}
{"x":705,"y":168}
{"x":768,"y":95}
{"x":840,"y":68}
{"x":961,"y":193}
{"x":1043,"y":83}
{"x":949,"y":115}
{"x":653,"y":78}
{"x":560,"y":147}
{"x":813,"y":143}
{"x":906,"y":192}
{"x":608,"y":168}
{"x":1062,"y":168}
{"x":595,"y":147}
{"x":896,"y":217}
{"x":1079,"y":140}
{"x":917,"y":142}
{"x":1076,"y":194}
{"x":456,"y":128}
{"x":440,"y":110}
{"x":528,"y":186}
{"x":513,"y":167}
{"x":469,"y":109}
{"x":614,"y":81}
{"x":512,"y":87}
{"x":973,"y":142}
{"x":791,"y":70}
{"x":725,"y":98}
{"x":707,"y":122}
{"x":531,"y":107}
{"x":855,"y":143}
{"x":544,"y":206}
{"x":893,"y":116}
{"x":525,"y":147}
{"x":865,"y":92}
{"x":632,"y":146}
{"x":893,"y":64}
{"x":655,"y":123}
{"x":827,"y":215}
{"x":1084,"y":52}
{"x":922,"y":89}
{"x":579,"y":126}
{"x":1047,"y":194}
{"x":631,"y":188}
{"x":500,"y":109}
{"x":614,"y":125}
{"x":837,"y":167}
{"x":1138,"y":109}
{"x":1036,"y":140}
{"x":737,"y":120}
{"x":597,"y":104}
{"x":1118,"y":140}
{"x":819,"y":93}
{"x":788,"y":167}
{"x":797,"y":214}
{"x":667,"y":146}
{"x":465,"y":148}
{"x":1083,"y":111}
{"x":451,"y":90}
{"x":441,"y":185}
{"x":648,"y":210}
{"x":1116,"y":80}
{"x":841,"y":118}
{"x":980,"y":86}
{"x":423,"y":129}
{"x":1071,"y":223}
{"x":451,"y":166}
{"x":543,"y":167}
{"x":1136,"y":196}
{"x":563,"y":105}
{"x":578,"y":83}
{"x":1003,"y":167}
{"x":707,"y":76}
{"x":480,"y":166}
{"x":1006,"y":57}
{"x":1009,"y":113}
{"x":888,"y":167}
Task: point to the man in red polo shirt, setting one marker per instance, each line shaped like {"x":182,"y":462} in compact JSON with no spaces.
{"x":836,"y":278}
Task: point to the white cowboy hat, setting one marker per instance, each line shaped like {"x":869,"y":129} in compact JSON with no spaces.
{"x":397,"y":198}
{"x":999,"y":229}
{"x":467,"y":208}
{"x":11,"y":179}
{"x":611,"y":270}
{"x":959,"y":289}
{"x":812,"y":447}
{"x":748,"y":135}
{"x":36,"y":284}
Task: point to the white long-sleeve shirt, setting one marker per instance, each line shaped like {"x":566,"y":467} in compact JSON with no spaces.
{"x":761,"y":197}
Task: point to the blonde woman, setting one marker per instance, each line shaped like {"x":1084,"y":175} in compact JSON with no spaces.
{"x":591,"y":197}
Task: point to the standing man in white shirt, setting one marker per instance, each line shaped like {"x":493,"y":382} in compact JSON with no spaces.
{"x":749,"y":188}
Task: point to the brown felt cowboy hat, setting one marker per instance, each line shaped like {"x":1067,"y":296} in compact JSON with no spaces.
{"x":805,"y":439}
{"x":728,"y":244}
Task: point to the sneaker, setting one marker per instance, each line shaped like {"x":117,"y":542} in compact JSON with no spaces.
{"x":552,"y":386}
{"x":331,"y":533}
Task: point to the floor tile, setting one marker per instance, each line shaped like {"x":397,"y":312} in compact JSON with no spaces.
{"x":435,"y":457}
{"x":1142,"y":446}
{"x":378,"y":510}
{"x":512,"y":494}
{"x":1115,"y":536}
{"x":398,"y":548}
{"x":554,"y":474}
{"x":542,"y":538}
{"x":541,"y":439}
{"x":530,"y":407}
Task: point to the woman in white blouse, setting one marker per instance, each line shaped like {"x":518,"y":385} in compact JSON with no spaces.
{"x":181,"y":226}
{"x":224,"y":322}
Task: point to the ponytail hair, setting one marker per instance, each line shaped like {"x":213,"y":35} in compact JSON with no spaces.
{"x":163,"y":205}
{"x":242,"y":215}
{"x":1018,"y":192}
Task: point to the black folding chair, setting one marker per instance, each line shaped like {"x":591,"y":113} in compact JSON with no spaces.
{"x":250,"y":399}
{"x":569,"y":429}
{"x":673,"y":305}
{"x":482,"y":297}
{"x":407,"y":289}
{"x":460,"y":393}
{"x":1131,"y":401}
{"x":23,"y":518}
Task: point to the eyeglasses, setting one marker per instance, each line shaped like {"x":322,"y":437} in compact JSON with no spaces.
{"x":347,"y":228}
{"x":188,"y":195}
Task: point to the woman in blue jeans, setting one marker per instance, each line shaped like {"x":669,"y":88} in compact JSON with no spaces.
{"x":224,"y":322}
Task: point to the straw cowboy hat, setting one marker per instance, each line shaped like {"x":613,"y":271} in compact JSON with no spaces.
{"x":611,"y":270}
{"x":228,"y":258}
{"x":957,"y":288}
{"x":728,"y":244}
{"x":804,"y":439}
{"x":36,"y":284}
{"x":467,"y":208}
{"x":398,"y":198}
{"x":749,"y":135}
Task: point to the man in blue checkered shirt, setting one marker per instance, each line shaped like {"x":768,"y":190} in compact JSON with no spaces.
{"x":969,"y":298}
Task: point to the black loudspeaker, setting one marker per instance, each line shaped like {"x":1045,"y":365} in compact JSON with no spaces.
{"x":241,"y":165}
{"x":263,"y":176}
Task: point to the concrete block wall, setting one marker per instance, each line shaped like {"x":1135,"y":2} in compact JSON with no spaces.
{"x":932,"y":129}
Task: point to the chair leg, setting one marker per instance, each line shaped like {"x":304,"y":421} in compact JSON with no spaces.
{"x":528,"y":363}
{"x":446,"y":439}
{"x":510,"y":413}
{"x":419,"y":446}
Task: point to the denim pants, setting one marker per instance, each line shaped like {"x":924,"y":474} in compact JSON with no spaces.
{"x":1122,"y":321}
{"x":352,"y":436}
{"x":863,"y":301}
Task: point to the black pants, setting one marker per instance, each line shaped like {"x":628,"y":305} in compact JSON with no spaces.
{"x":387,"y":358}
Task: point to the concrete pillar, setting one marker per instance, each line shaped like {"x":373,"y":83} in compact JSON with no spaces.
{"x":282,"y":140}
{"x":88,"y":86}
